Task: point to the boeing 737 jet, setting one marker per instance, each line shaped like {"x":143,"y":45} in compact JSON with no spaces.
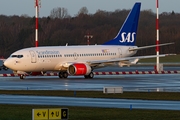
{"x":81,"y":60}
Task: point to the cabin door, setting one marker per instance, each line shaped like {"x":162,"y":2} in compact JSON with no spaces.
{"x":33,"y":57}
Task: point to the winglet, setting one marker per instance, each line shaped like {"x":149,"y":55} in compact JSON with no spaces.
{"x":127,"y":33}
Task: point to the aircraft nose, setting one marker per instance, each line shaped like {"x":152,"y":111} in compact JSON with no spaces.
{"x":6,"y":63}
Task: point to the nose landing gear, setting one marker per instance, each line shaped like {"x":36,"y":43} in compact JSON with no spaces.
{"x":22,"y":76}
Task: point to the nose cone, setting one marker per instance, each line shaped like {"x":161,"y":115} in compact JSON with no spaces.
{"x":7,"y":63}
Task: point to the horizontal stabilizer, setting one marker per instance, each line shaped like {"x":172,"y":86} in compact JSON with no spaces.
{"x":151,"y":46}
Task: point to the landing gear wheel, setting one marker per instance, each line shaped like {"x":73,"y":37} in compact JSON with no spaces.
{"x":63,"y":74}
{"x":22,"y":76}
{"x":86,"y":76}
{"x":91,"y":75}
{"x":60,"y":74}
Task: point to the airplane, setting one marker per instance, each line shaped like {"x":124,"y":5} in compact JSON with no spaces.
{"x":82,"y":59}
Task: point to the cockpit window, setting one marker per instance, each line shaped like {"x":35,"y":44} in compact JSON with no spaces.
{"x":13,"y":55}
{"x":17,"y":56}
{"x":20,"y":56}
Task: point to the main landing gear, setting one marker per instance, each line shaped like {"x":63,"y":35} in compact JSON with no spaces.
{"x":63,"y":74}
{"x":91,"y":75}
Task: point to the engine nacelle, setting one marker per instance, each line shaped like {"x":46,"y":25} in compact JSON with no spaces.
{"x":79,"y":69}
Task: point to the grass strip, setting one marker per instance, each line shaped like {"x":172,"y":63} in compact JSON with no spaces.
{"x":24,"y":112}
{"x":98,"y":94}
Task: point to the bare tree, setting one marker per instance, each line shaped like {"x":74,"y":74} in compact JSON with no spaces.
{"x":59,"y":13}
{"x":83,"y":10}
{"x":25,"y":16}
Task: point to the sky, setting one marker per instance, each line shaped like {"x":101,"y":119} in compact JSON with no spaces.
{"x":19,"y":7}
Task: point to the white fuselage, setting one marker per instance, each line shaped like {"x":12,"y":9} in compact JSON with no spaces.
{"x":57,"y":58}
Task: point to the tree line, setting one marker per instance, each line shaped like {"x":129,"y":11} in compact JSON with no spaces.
{"x":59,"y":28}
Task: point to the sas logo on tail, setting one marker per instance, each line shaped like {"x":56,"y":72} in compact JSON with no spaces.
{"x":127,"y":37}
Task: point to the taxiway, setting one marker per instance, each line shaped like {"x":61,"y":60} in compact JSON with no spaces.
{"x":140,"y":82}
{"x":134,"y":82}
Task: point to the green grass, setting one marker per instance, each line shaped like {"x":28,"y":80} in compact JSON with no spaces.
{"x":24,"y":112}
{"x":168,"y":59}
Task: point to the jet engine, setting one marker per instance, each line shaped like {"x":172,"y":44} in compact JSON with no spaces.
{"x":79,"y":69}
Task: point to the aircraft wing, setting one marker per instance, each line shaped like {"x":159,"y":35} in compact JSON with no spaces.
{"x":126,"y":59}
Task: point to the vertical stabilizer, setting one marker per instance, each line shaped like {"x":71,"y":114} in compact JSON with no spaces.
{"x":127,"y":33}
